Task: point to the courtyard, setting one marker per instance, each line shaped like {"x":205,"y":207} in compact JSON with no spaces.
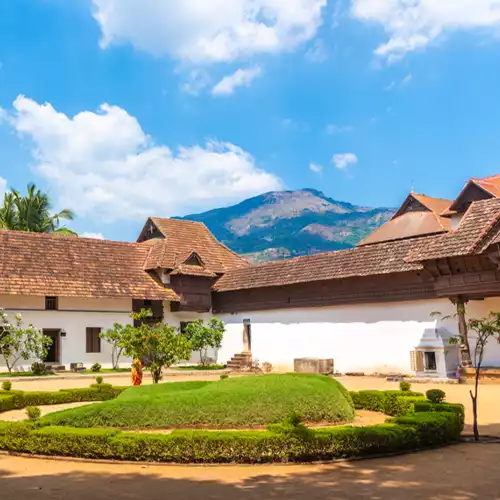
{"x":436,"y":474}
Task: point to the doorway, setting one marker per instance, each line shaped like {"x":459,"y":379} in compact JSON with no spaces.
{"x":54,"y":350}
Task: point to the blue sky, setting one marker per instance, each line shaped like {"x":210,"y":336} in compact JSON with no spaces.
{"x":128,"y":108}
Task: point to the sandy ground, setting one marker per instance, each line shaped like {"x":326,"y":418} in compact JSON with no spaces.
{"x":17,"y":415}
{"x":461,"y":472}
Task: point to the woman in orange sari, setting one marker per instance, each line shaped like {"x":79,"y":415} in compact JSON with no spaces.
{"x":137,"y":372}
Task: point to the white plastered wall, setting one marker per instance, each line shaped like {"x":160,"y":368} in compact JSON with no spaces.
{"x":369,"y":338}
{"x":73,"y":316}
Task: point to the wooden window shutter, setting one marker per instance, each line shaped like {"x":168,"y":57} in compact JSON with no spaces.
{"x":93,"y":340}
{"x":417,"y":361}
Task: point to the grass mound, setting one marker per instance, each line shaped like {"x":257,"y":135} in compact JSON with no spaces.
{"x":231,"y":403}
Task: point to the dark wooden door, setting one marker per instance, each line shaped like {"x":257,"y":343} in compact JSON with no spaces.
{"x":54,"y":352}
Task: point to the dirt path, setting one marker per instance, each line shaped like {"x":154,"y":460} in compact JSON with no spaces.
{"x":432,"y":475}
{"x":17,"y":415}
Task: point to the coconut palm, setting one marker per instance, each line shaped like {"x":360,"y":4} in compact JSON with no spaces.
{"x":32,"y":213}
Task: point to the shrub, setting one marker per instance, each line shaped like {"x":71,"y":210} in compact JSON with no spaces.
{"x":390,"y":402}
{"x":96,"y":367}
{"x":38,"y":368}
{"x":224,"y":376}
{"x":435,"y":396}
{"x":101,"y":386}
{"x":33,"y":413}
{"x":196,"y":446}
{"x":267,"y":367}
{"x":404,"y":386}
{"x":99,"y":380}
{"x":7,"y":385}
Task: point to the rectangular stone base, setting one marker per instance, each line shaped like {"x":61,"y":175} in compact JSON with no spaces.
{"x":313,"y":365}
{"x":487,"y":375}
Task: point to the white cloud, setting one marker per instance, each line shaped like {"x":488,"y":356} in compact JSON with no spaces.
{"x":209,"y":30}
{"x":333,"y":129}
{"x":316,"y":168}
{"x":240,"y":78}
{"x":3,"y":188}
{"x":343,"y":160}
{"x":413,"y":24}
{"x":94,"y":236}
{"x":103,"y":164}
{"x":198,"y":79}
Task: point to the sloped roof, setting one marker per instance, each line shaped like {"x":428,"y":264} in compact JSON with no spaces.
{"x":43,"y":264}
{"x":408,"y":225}
{"x":181,"y":239}
{"x":378,"y":259}
{"x":477,"y":229}
{"x":490,"y":185}
{"x":436,"y":205}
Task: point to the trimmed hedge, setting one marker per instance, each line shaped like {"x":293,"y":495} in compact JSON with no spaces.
{"x":391,"y":403}
{"x":14,"y":400}
{"x":197,"y":446}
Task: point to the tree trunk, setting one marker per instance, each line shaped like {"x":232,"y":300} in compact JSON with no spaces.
{"x":156,"y":374}
{"x":465,"y":357}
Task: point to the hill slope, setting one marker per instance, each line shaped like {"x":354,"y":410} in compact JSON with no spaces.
{"x":289,"y":223}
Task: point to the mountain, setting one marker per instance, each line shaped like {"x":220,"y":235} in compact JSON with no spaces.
{"x":283,"y":224}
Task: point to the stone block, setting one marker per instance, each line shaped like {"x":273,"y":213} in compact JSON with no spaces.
{"x":313,"y":365}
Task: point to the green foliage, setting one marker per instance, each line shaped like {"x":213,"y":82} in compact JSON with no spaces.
{"x":388,"y":402}
{"x":200,"y":367}
{"x":115,"y":337}
{"x":203,"y":336}
{"x":32,"y":213}
{"x":15,"y":400}
{"x":197,"y":446}
{"x":38,"y":368}
{"x":99,"y":380}
{"x":232,"y":403}
{"x":18,"y":342}
{"x":224,"y":376}
{"x":33,"y":413}
{"x":160,"y":344}
{"x":435,"y":395}
{"x":404,"y":386}
{"x":7,"y":385}
{"x":96,"y":367}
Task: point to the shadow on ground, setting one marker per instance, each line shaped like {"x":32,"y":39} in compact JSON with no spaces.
{"x":465,"y":471}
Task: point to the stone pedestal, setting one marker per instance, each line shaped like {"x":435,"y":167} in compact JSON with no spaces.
{"x":313,"y":365}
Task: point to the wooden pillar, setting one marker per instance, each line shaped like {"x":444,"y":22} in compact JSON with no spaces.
{"x":465,"y":357}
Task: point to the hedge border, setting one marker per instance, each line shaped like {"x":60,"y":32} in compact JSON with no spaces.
{"x":418,"y":424}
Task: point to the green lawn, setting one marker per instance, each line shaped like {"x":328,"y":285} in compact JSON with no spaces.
{"x":25,"y":374}
{"x":106,"y":370}
{"x":231,"y":403}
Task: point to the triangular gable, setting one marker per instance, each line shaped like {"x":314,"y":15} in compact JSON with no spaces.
{"x":474,"y":190}
{"x":194,"y":260}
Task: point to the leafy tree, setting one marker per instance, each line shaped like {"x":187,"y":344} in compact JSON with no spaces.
{"x":204,"y":336}
{"x":17,"y":342}
{"x":160,"y":345}
{"x":485,"y":329}
{"x":32,"y":213}
{"x":115,"y":336}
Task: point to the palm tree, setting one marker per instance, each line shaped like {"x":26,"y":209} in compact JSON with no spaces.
{"x":32,"y":213}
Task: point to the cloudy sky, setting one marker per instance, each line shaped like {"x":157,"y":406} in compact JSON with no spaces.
{"x":127,"y":108}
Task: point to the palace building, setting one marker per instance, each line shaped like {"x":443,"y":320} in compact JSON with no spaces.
{"x":369,"y":308}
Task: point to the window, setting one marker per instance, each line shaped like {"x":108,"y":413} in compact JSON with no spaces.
{"x":430,"y":361}
{"x":148,"y":303}
{"x":184,"y":324}
{"x":51,"y":303}
{"x":93,"y":340}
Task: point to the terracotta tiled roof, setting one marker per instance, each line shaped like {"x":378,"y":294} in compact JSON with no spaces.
{"x":408,"y":225}
{"x":489,"y":184}
{"x":436,"y":205}
{"x":188,"y":270}
{"x":43,"y":264}
{"x":382,"y":258}
{"x":183,"y":238}
{"x":479,"y":226}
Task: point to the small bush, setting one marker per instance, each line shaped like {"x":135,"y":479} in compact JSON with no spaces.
{"x":96,"y":367}
{"x":101,"y":386}
{"x":38,"y":368}
{"x":99,"y":380}
{"x":224,"y":376}
{"x":7,"y":385}
{"x":267,"y":367}
{"x":389,"y":402}
{"x":404,"y":386}
{"x":33,"y":413}
{"x":435,"y":396}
